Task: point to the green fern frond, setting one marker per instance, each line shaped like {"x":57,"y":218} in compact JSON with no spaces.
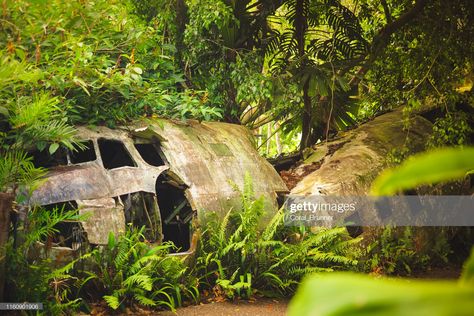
{"x":140,"y":280}
{"x":273,"y":225}
{"x":112,"y":301}
{"x":299,"y":272}
{"x":27,"y":112}
{"x":326,"y":257}
{"x":17,"y":168}
{"x":143,"y":300}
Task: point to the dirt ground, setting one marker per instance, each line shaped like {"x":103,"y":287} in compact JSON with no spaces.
{"x":261,"y":307}
{"x":447,"y":273}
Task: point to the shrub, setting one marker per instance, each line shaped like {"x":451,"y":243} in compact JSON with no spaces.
{"x":237,"y":258}
{"x":128,"y":270}
{"x":31,"y":274}
{"x":403,"y":250}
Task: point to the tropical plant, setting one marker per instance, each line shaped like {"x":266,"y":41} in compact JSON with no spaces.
{"x":467,"y":276}
{"x":32,"y":276}
{"x":404,"y":250}
{"x":128,"y":270}
{"x":104,"y":67}
{"x":365,"y":295}
{"x":346,"y":293}
{"x":452,"y":130}
{"x":321,"y":37}
{"x":26,"y":122}
{"x":426,"y":168}
{"x":238,"y":258}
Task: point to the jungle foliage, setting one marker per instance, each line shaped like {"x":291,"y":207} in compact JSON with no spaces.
{"x":310,"y":66}
{"x":380,"y":296}
{"x":295,"y":71}
{"x":320,"y":66}
{"x":236,"y":260}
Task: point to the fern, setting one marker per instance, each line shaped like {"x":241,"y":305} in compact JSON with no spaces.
{"x":39,"y":280}
{"x":112,"y":301}
{"x":145,"y":301}
{"x":17,"y":169}
{"x":131,"y":271}
{"x":142,"y":281}
{"x":239,"y":258}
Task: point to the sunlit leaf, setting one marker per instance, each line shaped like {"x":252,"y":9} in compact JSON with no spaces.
{"x":53,"y":148}
{"x":426,"y":168}
{"x":339,"y":294}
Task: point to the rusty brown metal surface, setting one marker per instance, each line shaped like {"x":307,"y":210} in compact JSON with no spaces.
{"x":102,"y":217}
{"x":90,"y":180}
{"x":208,"y":158}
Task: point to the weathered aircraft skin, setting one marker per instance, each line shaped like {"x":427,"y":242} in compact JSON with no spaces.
{"x":203,"y":160}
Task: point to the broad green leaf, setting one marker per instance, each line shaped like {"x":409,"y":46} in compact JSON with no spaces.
{"x":426,"y":168}
{"x":111,"y":240}
{"x":53,"y":147}
{"x":340,"y":294}
{"x":467,"y":276}
{"x":137,"y":70}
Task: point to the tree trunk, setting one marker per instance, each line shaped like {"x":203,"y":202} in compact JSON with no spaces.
{"x":6,"y":200}
{"x":181,"y":20}
{"x":277,"y":139}
{"x":306,"y":118}
{"x":269,"y":140}
{"x":301,"y":26}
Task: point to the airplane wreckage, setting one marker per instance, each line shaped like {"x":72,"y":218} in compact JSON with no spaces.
{"x":164,"y":176}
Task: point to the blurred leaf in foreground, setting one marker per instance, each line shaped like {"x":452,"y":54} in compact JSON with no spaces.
{"x":467,"y":276}
{"x":426,"y":168}
{"x":351,"y":294}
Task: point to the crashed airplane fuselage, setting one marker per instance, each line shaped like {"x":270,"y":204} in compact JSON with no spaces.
{"x":163,"y":176}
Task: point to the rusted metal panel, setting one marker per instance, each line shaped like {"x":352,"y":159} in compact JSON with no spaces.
{"x":210,"y":156}
{"x":103,"y":216}
{"x":205,"y":159}
{"x":130,"y":179}
{"x":73,"y":183}
{"x":92,"y":181}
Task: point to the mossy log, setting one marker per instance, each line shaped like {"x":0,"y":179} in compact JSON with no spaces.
{"x":349,"y":163}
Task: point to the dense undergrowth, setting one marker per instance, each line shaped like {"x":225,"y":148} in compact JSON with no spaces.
{"x":236,"y":259}
{"x":384,"y":296}
{"x":95,"y":59}
{"x":239,"y":259}
{"x":240,"y":256}
{"x":95,"y":62}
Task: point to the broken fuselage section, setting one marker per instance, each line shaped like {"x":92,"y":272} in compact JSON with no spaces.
{"x":159,"y":176}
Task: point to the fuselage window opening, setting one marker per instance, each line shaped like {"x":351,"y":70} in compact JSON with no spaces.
{"x":45,"y":160}
{"x":69,"y":233}
{"x":150,"y":152}
{"x":114,"y":154}
{"x":141,"y":210}
{"x":82,"y":155}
